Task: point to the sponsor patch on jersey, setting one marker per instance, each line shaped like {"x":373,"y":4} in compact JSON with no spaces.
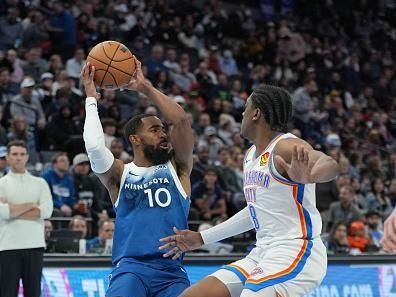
{"x":264,"y":159}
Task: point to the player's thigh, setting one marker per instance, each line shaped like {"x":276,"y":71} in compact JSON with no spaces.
{"x":174,"y":290}
{"x":126,"y":285}
{"x":208,"y":287}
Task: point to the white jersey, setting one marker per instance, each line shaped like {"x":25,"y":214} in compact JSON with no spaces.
{"x":280,"y":209}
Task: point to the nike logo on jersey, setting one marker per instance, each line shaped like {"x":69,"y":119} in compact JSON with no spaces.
{"x":131,"y":173}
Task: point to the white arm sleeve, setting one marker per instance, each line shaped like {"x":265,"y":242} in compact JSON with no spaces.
{"x":237,"y":224}
{"x":100,"y":156}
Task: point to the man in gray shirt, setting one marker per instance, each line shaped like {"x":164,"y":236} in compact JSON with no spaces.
{"x":344,"y":210}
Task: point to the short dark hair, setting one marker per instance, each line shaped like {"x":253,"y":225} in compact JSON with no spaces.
{"x":134,"y":124}
{"x":56,"y":156}
{"x":109,"y":122}
{"x":211,"y":169}
{"x":19,"y":143}
{"x":275,"y":104}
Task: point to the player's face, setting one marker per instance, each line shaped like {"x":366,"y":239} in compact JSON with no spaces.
{"x":155,"y":141}
{"x":247,"y":116}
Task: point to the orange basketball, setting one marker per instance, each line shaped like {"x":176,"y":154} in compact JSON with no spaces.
{"x":114,"y":64}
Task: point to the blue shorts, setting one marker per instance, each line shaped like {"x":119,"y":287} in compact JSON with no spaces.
{"x":138,"y":279}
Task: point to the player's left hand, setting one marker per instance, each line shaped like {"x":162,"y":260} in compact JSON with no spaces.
{"x":182,"y":241}
{"x":138,"y":82}
{"x":388,"y":240}
{"x":300,"y":168}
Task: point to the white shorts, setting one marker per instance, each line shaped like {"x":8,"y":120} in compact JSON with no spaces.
{"x":288,"y":269}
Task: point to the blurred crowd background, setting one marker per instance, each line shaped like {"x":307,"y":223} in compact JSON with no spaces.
{"x":335,"y":57}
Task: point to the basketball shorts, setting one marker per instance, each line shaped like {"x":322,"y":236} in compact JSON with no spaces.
{"x":137,"y":279}
{"x":286,"y":269}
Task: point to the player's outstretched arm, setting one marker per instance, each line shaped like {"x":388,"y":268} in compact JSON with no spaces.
{"x":181,"y":137}
{"x":295,"y":159}
{"x":388,"y":240}
{"x":186,"y":240}
{"x":103,"y":163}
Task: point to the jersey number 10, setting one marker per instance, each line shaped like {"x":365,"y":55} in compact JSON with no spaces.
{"x":157,"y":193}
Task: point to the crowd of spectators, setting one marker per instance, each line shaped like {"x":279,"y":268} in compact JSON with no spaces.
{"x":334,"y":57}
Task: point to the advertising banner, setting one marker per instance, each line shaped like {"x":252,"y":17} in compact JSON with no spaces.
{"x":340,"y":281}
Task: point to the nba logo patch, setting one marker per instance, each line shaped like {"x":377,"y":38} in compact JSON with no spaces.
{"x":264,"y":159}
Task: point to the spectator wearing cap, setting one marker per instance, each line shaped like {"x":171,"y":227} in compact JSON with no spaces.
{"x":344,"y":210}
{"x":374,"y":227}
{"x":211,"y":141}
{"x":3,"y":161}
{"x":332,"y":140}
{"x":43,"y":92}
{"x":61,"y":185}
{"x":88,"y":203}
{"x":207,"y":196}
{"x":25,"y":104}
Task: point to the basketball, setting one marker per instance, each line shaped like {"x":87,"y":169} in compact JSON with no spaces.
{"x":114,"y":64}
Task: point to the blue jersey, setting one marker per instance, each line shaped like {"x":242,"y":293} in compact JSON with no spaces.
{"x":150,"y":202}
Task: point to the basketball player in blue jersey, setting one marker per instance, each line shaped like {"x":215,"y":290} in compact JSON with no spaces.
{"x":150,"y":194}
{"x":280,"y":172}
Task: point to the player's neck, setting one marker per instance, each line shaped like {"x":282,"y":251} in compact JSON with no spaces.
{"x":140,"y":161}
{"x":264,"y":139}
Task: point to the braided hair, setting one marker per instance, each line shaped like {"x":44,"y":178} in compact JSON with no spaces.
{"x":275,"y":105}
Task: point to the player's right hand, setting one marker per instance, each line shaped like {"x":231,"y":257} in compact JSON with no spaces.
{"x":388,"y":240}
{"x":86,"y":76}
{"x":182,"y":241}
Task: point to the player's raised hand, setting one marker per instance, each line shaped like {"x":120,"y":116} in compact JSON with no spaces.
{"x":86,"y":76}
{"x":180,"y":242}
{"x":300,"y":168}
{"x":388,"y":240}
{"x":138,"y":81}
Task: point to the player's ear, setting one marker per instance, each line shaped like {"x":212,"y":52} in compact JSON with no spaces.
{"x":256,"y":114}
{"x":134,"y":139}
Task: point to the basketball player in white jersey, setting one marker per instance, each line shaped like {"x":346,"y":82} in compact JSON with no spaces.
{"x":280,"y":172}
{"x":388,"y":240}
